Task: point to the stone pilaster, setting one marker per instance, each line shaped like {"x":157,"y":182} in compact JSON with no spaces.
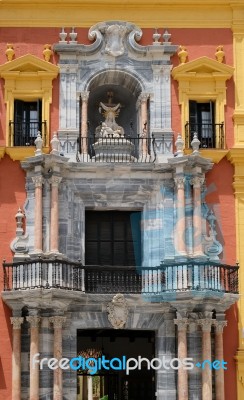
{"x":206,"y":324}
{"x":34,"y":321}
{"x":58,"y":322}
{"x":16,"y":357}
{"x":197,"y":182}
{"x":182,"y":325}
{"x":219,"y":355}
{"x":38,"y":181}
{"x":54,"y":237}
{"x":181,"y":221}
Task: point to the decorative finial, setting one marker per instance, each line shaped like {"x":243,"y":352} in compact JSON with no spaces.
{"x":55,"y":144}
{"x":220,"y":54}
{"x":38,"y":142}
{"x":179,"y":144}
{"x":10,"y":52}
{"x":62,"y":36}
{"x":182,"y":54}
{"x":156,"y":37}
{"x":47,"y":52}
{"x":19,"y":222}
{"x":195,"y":143}
{"x":166,"y":37}
{"x":73,"y":36}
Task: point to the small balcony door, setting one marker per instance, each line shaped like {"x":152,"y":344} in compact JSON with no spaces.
{"x":201,"y":121}
{"x":27,"y":122}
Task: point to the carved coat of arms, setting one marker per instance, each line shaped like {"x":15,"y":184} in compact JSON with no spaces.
{"x":118,"y":311}
{"x":115,"y":40}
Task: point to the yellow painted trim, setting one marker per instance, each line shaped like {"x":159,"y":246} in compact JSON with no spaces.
{"x":215,"y":155}
{"x":28,"y":78}
{"x":202,"y":79}
{"x":2,"y":151}
{"x":20,"y":153}
{"x":175,"y":13}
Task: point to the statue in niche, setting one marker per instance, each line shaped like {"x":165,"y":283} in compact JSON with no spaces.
{"x":109,"y":128}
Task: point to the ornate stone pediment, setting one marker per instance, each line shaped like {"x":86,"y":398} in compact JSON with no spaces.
{"x":118,"y":311}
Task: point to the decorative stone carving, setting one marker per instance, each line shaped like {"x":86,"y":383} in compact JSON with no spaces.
{"x":55,"y":180}
{"x":197,"y":181}
{"x":47,"y":52}
{"x":212,"y":247}
{"x":182,"y":324}
{"x":20,"y":244}
{"x":118,"y":311}
{"x":57,"y":321}
{"x":16,"y":322}
{"x":206,"y":324}
{"x":195,"y":143}
{"x":38,"y":143}
{"x":34,"y":321}
{"x":38,"y":181}
{"x":182,"y":54}
{"x":73,"y":36}
{"x":220,"y":54}
{"x":62,"y":36}
{"x":219,"y":326}
{"x":180,"y":182}
{"x":55,"y":144}
{"x":179,"y":144}
{"x":10,"y":52}
{"x":114,"y":39}
{"x":156,"y":37}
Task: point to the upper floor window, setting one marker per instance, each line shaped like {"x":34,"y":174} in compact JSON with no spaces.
{"x":27,"y":122}
{"x":202,"y":121}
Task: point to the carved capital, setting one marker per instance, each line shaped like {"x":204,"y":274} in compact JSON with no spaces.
{"x":182,"y":324}
{"x":16,"y":322}
{"x":38,"y":181}
{"x":197,"y":181}
{"x":143,"y":97}
{"x":179,"y":182}
{"x":219,"y":326}
{"x":55,"y":180}
{"x":84,"y":96}
{"x":33,"y":320}
{"x":57,"y":321}
{"x":206,"y":324}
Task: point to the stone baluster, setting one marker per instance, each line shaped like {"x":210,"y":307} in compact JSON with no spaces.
{"x":84,"y":122}
{"x":34,"y":349}
{"x":219,"y":355}
{"x":181,"y":220}
{"x":182,"y":354}
{"x":206,"y":324}
{"x":38,"y":181}
{"x":57,"y":322}
{"x":197,"y":182}
{"x":144,"y":122}
{"x":16,"y":357}
{"x":54,"y":237}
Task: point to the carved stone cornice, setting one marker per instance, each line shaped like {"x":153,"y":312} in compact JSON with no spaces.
{"x":182,"y":324}
{"x":55,"y":180}
{"x":206,"y":324}
{"x":58,"y":321}
{"x":34,"y":321}
{"x":197,"y":181}
{"x":38,"y":180}
{"x":16,"y":322}
{"x":219,"y":326}
{"x":179,"y":182}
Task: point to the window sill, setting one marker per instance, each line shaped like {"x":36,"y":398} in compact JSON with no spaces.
{"x":216,"y":155}
{"x":19,"y":153}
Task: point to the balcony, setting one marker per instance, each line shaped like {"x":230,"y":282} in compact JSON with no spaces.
{"x":187,"y":277}
{"x":25,"y":133}
{"x":211,"y":136}
{"x":113,"y":149}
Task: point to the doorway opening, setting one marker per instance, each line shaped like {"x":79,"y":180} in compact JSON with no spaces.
{"x":111,"y":384}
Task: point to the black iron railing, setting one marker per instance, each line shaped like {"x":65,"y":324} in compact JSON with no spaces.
{"x":211,"y":136}
{"x":116,"y":149}
{"x":168,"y":278}
{"x":25,"y":133}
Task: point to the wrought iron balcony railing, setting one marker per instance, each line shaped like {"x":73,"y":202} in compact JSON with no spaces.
{"x":116,"y":149}
{"x":211,"y":136}
{"x":25,"y":133}
{"x":167,"y":278}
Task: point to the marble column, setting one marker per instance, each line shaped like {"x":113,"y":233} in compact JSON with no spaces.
{"x":34,"y":349}
{"x":57,"y":322}
{"x":181,"y":220}
{"x":84,"y":121}
{"x":219,"y":355}
{"x":197,"y":182}
{"x":206,"y":324}
{"x":38,"y":181}
{"x":54,"y":236}
{"x":144,"y":122}
{"x":16,"y":357}
{"x":182,"y":354}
